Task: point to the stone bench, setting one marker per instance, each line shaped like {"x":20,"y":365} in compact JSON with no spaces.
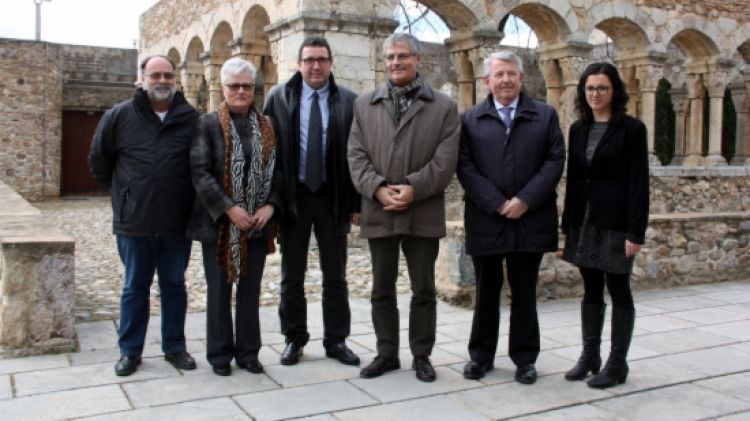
{"x":37,"y":281}
{"x":680,"y":249}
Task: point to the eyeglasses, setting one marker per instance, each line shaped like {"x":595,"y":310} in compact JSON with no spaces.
{"x":309,"y":61}
{"x":601,"y":90}
{"x":234,"y":87}
{"x":399,"y":57}
{"x":159,"y":75}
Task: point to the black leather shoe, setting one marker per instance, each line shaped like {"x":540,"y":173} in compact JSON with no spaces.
{"x":475,"y":371}
{"x":222,"y":370}
{"x":342,"y":353}
{"x":526,"y":374}
{"x":291,"y":354}
{"x":423,"y":367}
{"x":181,"y":360}
{"x":379,"y":366}
{"x":252,"y":365}
{"x":127,"y":365}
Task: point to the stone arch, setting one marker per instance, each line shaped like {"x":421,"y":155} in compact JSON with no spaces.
{"x":255,"y":47}
{"x":191,"y":74}
{"x":695,"y":44}
{"x":174,"y":55}
{"x":552,"y":25}
{"x":626,"y":34}
{"x":219,"y":51}
{"x":457,"y":15}
{"x":744,"y":51}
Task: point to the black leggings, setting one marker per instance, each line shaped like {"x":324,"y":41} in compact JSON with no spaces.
{"x":618,"y":286}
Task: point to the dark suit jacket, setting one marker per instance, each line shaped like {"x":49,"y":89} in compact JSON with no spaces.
{"x":615,"y":185}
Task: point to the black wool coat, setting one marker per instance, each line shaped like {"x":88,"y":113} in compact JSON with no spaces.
{"x":495,"y":165}
{"x":615,"y":186}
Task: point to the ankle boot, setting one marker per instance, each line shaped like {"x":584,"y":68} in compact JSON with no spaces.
{"x":592,"y":321}
{"x":615,"y":371}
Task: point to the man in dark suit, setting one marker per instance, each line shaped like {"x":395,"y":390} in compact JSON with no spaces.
{"x":312,"y":117}
{"x":511,"y":158}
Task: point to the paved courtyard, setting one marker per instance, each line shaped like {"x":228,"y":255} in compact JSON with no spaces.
{"x":690,"y":360}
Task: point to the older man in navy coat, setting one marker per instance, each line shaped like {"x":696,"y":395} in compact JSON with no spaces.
{"x":511,"y":158}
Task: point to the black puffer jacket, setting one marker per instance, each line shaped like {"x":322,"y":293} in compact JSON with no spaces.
{"x":146,"y":163}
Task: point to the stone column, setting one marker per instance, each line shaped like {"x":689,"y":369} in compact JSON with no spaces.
{"x":553,"y":82}
{"x":741,"y":100}
{"x":694,"y":132}
{"x":648,"y":77}
{"x":468,"y":52}
{"x":191,"y":75}
{"x":681,"y":105}
{"x":355,"y":40}
{"x":571,"y":68}
{"x":212,"y":69}
{"x":716,"y":82}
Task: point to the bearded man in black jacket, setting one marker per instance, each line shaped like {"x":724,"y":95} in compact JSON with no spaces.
{"x":141,"y":150}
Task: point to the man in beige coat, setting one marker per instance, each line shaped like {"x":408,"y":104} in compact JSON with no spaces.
{"x":403,"y":149}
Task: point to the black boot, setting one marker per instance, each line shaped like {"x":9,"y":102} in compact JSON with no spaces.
{"x":615,"y":371}
{"x":592,"y":321}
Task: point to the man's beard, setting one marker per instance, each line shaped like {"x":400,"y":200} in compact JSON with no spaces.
{"x":160,"y":93}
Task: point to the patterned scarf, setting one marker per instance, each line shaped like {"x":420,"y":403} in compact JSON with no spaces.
{"x":403,"y":96}
{"x":232,"y":246}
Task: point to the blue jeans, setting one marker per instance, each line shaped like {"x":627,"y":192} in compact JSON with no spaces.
{"x":142,"y":256}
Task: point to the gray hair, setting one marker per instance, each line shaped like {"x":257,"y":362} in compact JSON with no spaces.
{"x":237,"y":66}
{"x":505,"y":56}
{"x":400,"y":37}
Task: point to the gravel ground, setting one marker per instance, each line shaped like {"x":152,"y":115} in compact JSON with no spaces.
{"x":99,"y":270}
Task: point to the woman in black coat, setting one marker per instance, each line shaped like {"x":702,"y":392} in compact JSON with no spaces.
{"x":233,"y":159}
{"x":605,"y":216}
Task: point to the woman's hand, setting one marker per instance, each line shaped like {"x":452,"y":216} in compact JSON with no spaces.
{"x":240,"y":217}
{"x":631,"y":248}
{"x":263,"y":215}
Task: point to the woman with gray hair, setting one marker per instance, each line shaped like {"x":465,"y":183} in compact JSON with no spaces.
{"x":233,"y":159}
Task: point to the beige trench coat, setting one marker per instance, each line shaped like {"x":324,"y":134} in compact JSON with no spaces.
{"x":421,"y":150}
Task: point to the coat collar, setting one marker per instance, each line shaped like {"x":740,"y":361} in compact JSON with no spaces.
{"x":425,"y":93}
{"x":526,"y":107}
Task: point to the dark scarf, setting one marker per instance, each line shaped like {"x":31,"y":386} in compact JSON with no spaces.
{"x":249,"y":193}
{"x":403,"y":96}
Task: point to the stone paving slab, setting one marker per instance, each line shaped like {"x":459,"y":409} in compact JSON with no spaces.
{"x":736,"y":385}
{"x":680,"y":402}
{"x":97,"y":335}
{"x":6,"y":390}
{"x":435,"y":408}
{"x":712,"y":361}
{"x":681,"y":340}
{"x":739,"y":331}
{"x":39,"y":362}
{"x":511,"y":399}
{"x":36,"y":382}
{"x":742,"y":416}
{"x":310,"y":372}
{"x":66,"y":404}
{"x":577,"y":412}
{"x":305,"y":400}
{"x":218,"y":409}
{"x":403,"y":385}
{"x":175,"y":389}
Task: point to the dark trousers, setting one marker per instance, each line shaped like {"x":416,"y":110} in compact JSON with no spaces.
{"x":421,"y":254}
{"x":523,"y":272}
{"x":167,"y":256}
{"x":221,"y":343}
{"x":315,"y":213}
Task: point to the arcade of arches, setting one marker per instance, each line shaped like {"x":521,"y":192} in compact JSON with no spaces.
{"x":713,"y":50}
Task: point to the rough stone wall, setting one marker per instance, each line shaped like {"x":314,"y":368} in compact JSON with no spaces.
{"x":38,"y":80}
{"x":96,"y":78}
{"x":30,"y":117}
{"x":734,"y":9}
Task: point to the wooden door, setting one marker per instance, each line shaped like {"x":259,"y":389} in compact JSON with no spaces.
{"x":78,"y":128}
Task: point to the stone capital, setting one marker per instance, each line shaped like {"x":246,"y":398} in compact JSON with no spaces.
{"x":648,"y":76}
{"x":716,"y":83}
{"x":551,"y":73}
{"x":571,"y":67}
{"x":694,"y":85}
{"x":740,"y":97}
